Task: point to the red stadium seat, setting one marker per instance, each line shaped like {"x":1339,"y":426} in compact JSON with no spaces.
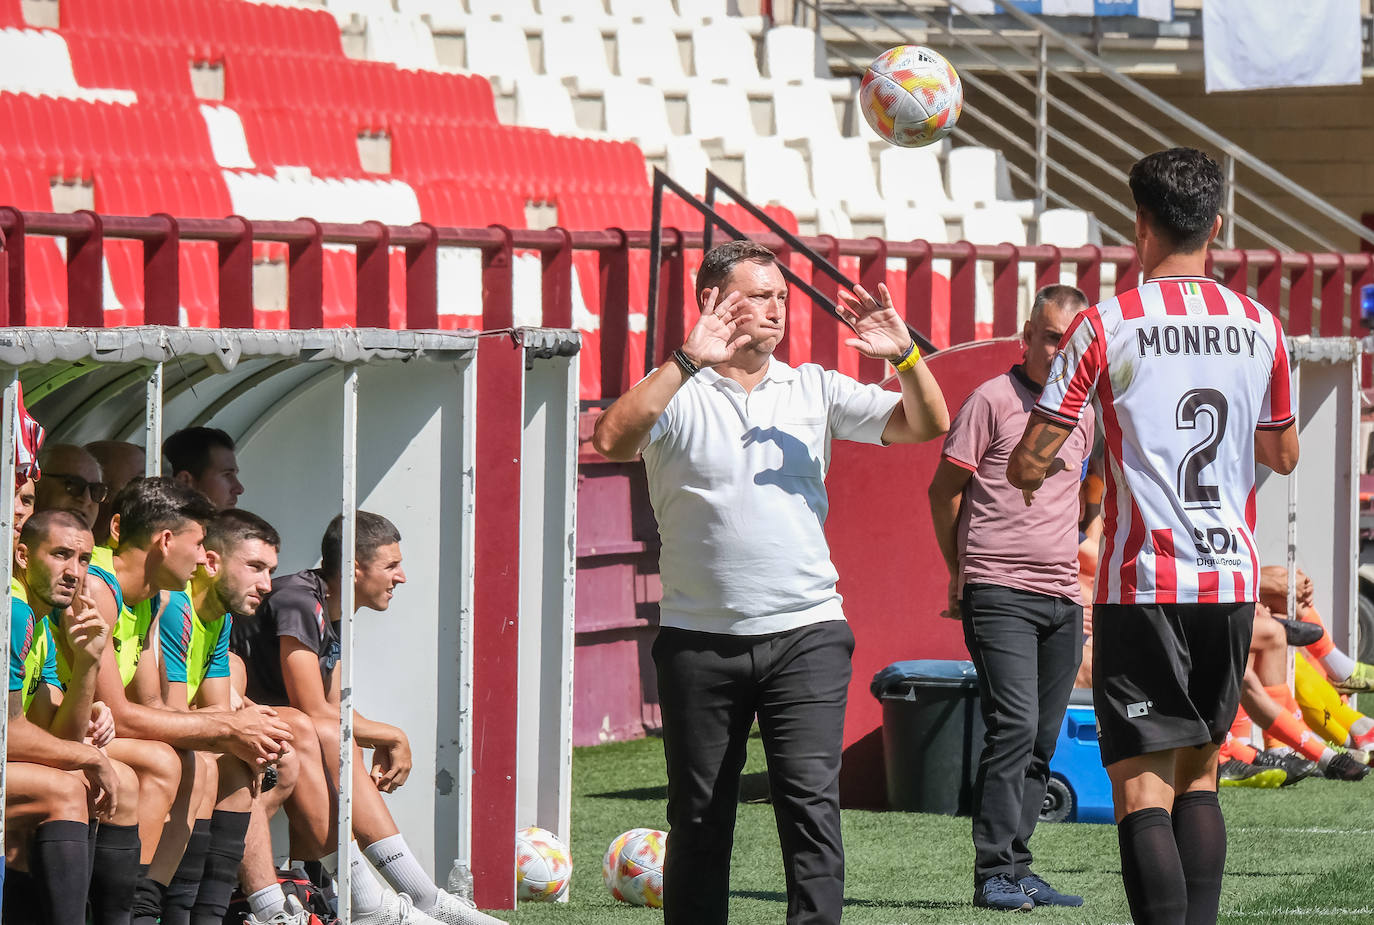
{"x":11,"y":14}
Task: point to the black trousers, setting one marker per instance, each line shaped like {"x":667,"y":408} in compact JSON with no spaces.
{"x":711,"y":686}
{"x":1027,"y":648}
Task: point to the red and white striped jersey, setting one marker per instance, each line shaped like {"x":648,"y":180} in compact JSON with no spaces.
{"x":1185,"y":371}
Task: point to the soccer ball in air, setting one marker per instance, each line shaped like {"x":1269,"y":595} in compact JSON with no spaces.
{"x":911,"y":96}
{"x":633,"y":867}
{"x":543,"y":867}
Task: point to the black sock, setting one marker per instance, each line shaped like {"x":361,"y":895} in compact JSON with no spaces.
{"x":147,"y":898}
{"x":114,"y":874}
{"x":181,"y":892}
{"x":21,"y":898}
{"x":59,"y":864}
{"x":1200,"y":833}
{"x":227,"y":833}
{"x":1150,"y":868}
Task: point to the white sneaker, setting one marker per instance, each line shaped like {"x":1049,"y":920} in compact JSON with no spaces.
{"x":396,"y":909}
{"x":455,"y":910}
{"x":293,"y":914}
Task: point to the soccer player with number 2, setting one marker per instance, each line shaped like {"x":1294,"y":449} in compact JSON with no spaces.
{"x":1193,"y":383}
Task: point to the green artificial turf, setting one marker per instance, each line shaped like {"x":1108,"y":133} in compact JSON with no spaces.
{"x":1296,"y":855}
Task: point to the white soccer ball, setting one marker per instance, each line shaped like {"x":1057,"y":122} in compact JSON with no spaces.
{"x":638,"y":874}
{"x":543,"y":866}
{"x":911,"y":96}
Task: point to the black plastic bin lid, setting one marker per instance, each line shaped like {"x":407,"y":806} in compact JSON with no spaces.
{"x":899,"y":677}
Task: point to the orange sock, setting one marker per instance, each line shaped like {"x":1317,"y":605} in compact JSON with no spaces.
{"x":1237,"y":743}
{"x":1289,"y":729}
{"x":1322,"y":646}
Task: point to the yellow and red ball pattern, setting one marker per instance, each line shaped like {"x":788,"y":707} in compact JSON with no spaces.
{"x":911,"y":96}
{"x":543,"y":865}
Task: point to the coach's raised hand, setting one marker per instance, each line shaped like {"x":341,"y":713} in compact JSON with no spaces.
{"x":623,"y":428}
{"x":881,"y":332}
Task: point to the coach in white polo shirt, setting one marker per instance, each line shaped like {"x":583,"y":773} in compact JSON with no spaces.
{"x":736,"y":445}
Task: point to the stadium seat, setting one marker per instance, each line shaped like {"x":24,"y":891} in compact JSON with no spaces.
{"x":1068,"y":228}
{"x":11,"y":13}
{"x":795,"y":54}
{"x":443,"y":15}
{"x":657,"y":12}
{"x":405,"y":41}
{"x":151,"y":71}
{"x":542,"y":101}
{"x":345,"y":10}
{"x":997,"y":223}
{"x":978,"y":177}
{"x":637,"y":111}
{"x":913,"y":176}
{"x":775,"y":173}
{"x":37,"y":61}
{"x":517,"y":12}
{"x":227,"y":138}
{"x":686,"y":162}
{"x":804,"y":111}
{"x":722,"y":50}
{"x":711,"y":11}
{"x":571,"y":51}
{"x":497,"y":50}
{"x":720,"y":113}
{"x":648,"y":51}
{"x":842,"y":174}
{"x":917,"y":224}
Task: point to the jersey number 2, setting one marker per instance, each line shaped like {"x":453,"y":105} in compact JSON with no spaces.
{"x":1210,"y":405}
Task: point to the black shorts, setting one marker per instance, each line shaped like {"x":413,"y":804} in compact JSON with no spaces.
{"x":1167,"y":675}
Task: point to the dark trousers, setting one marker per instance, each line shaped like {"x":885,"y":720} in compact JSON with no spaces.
{"x":1027,"y":648}
{"x":710,"y":687}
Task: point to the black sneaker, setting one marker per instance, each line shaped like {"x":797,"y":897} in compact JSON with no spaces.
{"x":1343,"y":767}
{"x":1299,"y":632}
{"x":1294,"y":765}
{"x":1002,"y":892}
{"x":1236,"y":773}
{"x":1042,"y":894}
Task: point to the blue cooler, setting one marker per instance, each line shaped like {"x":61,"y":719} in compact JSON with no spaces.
{"x":1079,"y":790}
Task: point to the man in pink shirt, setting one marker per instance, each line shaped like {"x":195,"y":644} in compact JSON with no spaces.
{"x":1013,"y":572}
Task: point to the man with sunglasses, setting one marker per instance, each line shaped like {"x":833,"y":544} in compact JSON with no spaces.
{"x":72,"y":481}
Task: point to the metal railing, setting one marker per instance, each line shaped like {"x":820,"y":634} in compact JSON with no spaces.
{"x":1245,"y":207}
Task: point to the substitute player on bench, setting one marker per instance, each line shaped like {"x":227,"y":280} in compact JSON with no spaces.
{"x":1193,"y":383}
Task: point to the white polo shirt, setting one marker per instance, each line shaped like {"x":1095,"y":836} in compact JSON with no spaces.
{"x":737,"y":482}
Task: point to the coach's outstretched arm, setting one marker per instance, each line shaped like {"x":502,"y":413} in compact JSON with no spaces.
{"x":881,"y":334}
{"x":623,"y":428}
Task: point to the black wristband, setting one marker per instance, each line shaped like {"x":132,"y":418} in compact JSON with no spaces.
{"x":689,"y":368}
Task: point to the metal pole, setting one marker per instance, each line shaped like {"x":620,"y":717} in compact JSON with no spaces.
{"x":152,"y":423}
{"x":1292,"y":558}
{"x":9,"y":428}
{"x":1042,"y":122}
{"x":346,"y":597}
{"x":1228,"y":233}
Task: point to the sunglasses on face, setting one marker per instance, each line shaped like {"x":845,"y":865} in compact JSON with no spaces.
{"x":76,"y":486}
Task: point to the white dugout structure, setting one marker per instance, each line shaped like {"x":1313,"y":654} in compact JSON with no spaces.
{"x":467,"y":443}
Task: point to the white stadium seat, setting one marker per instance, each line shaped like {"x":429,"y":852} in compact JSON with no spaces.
{"x":804,"y":111}
{"x":498,"y":51}
{"x":227,"y":139}
{"x":978,"y":176}
{"x":637,"y":112}
{"x":658,"y":12}
{"x":38,"y":61}
{"x":842,"y":172}
{"x":405,"y":41}
{"x":542,"y":101}
{"x":1068,"y":228}
{"x":917,"y":224}
{"x":775,"y":173}
{"x":695,"y":11}
{"x":588,"y":12}
{"x":721,"y":112}
{"x":443,"y":15}
{"x":519,"y":12}
{"x":648,"y":51}
{"x":575,"y":50}
{"x":687,"y":163}
{"x":914,"y":176}
{"x":722,"y":50}
{"x":795,"y":54}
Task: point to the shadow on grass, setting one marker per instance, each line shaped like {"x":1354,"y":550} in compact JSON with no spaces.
{"x":753,"y":788}
{"x":851,"y":902}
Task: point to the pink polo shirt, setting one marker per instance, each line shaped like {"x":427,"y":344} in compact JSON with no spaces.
{"x":1001,"y":540}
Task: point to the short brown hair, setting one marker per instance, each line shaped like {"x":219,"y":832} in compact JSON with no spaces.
{"x":721,"y":260}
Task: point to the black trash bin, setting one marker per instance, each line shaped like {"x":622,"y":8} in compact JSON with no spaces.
{"x":932,"y":734}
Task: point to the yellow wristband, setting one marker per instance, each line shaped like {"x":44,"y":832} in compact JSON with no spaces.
{"x":909,"y":359}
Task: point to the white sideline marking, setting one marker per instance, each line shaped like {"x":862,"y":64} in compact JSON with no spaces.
{"x":1304,"y":830}
{"x":1300,"y":911}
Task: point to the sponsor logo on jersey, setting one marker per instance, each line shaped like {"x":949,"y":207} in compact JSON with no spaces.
{"x":1138,"y":709}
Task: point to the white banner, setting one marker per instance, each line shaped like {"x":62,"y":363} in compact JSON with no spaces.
{"x":1255,"y":44}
